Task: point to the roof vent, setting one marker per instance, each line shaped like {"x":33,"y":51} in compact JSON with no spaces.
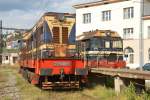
{"x":61,"y":17}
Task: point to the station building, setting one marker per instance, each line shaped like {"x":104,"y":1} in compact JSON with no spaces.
{"x":129,"y":18}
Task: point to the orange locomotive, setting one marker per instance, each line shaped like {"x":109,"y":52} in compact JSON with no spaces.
{"x":101,"y":48}
{"x":48,"y":54}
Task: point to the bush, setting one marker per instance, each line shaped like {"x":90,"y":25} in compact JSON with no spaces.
{"x":130,"y":92}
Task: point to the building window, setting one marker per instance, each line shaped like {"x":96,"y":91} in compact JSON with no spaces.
{"x":106,"y":15}
{"x":128,"y":33}
{"x":149,"y":54}
{"x":6,"y":57}
{"x":129,"y":55}
{"x":87,"y":18}
{"x":128,"y":12}
{"x":148,"y":32}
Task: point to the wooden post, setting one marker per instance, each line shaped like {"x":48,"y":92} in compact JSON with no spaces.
{"x":147,"y":85}
{"x":118,"y":82}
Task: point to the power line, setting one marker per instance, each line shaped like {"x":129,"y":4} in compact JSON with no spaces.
{"x":16,"y":29}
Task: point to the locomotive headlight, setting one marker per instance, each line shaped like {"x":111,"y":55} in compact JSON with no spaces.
{"x":76,"y":54}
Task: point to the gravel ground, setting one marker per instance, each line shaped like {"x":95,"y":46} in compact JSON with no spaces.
{"x":8,"y":88}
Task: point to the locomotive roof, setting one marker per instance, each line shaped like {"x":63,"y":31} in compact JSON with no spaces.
{"x":57,"y":15}
{"x":98,"y":33}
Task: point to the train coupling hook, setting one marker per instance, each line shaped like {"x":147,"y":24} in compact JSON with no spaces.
{"x":62,"y":74}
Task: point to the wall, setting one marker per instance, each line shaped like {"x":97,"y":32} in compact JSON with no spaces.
{"x":134,"y":44}
{"x":10,"y":58}
{"x":117,"y":22}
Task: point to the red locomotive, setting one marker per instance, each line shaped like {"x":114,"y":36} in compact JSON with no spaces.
{"x":48,"y":54}
{"x":101,"y":48}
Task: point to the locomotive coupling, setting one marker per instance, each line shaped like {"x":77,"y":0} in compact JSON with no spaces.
{"x":62,"y":75}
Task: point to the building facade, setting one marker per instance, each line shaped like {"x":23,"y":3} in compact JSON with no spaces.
{"x":10,"y":50}
{"x":9,"y":58}
{"x":129,"y":18}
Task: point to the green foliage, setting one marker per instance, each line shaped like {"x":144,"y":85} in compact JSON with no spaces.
{"x":4,"y":50}
{"x":146,"y":96}
{"x":109,"y":82}
{"x":130,"y":92}
{"x":96,"y":92}
{"x":17,"y":37}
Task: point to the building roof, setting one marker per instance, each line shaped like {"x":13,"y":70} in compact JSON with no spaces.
{"x":97,"y":3}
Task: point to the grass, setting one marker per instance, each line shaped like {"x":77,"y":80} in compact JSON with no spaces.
{"x":96,"y":92}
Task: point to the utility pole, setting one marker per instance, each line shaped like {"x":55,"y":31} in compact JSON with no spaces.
{"x":1,"y":37}
{"x":141,"y":41}
{"x":1,"y":42}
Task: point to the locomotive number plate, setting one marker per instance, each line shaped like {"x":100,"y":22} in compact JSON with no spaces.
{"x":60,"y":63}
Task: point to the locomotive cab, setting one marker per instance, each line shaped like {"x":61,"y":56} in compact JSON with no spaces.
{"x":102,"y":48}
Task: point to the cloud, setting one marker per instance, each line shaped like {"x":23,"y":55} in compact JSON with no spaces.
{"x":19,"y":18}
{"x":66,"y":5}
{"x":25,"y":13}
{"x":6,"y":5}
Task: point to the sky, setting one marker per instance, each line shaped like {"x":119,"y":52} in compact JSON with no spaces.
{"x":24,"y":13}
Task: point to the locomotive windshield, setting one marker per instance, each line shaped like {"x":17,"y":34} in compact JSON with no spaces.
{"x":98,"y":43}
{"x":94,"y":44}
{"x":117,"y":44}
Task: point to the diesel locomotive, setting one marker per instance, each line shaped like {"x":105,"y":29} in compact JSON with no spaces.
{"x":101,"y":49}
{"x":48,"y":54}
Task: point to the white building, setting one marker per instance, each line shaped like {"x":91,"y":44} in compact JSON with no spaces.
{"x":9,"y":58}
{"x":122,"y":16}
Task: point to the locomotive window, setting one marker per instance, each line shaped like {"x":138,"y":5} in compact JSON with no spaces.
{"x":65,"y":35}
{"x":87,"y":45}
{"x":40,"y":31}
{"x":117,"y":44}
{"x":107,"y":44}
{"x":112,"y":57}
{"x":95,"y":43}
{"x":120,"y":58}
{"x":56,"y":36}
{"x":92,"y":57}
